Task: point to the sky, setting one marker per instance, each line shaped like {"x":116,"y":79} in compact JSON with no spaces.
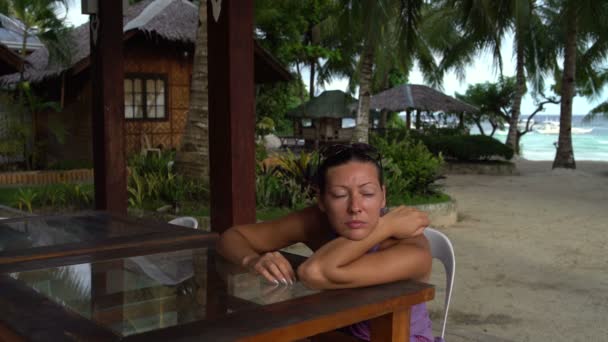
{"x":480,"y":71}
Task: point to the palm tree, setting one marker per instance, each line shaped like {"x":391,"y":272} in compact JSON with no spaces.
{"x":192,"y":159}
{"x":579,"y":29}
{"x":386,"y":34}
{"x":485,"y":25}
{"x":39,"y":18}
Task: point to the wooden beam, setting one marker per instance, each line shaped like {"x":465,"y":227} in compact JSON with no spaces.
{"x":231,"y":114}
{"x":108,"y":102}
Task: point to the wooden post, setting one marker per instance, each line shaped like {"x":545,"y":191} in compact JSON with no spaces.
{"x":108,"y":102}
{"x":393,"y":326}
{"x":231,"y":113}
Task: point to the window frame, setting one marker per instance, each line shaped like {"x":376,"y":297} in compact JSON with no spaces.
{"x":145,"y":77}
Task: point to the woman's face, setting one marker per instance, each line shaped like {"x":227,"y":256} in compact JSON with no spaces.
{"x":353,"y":199}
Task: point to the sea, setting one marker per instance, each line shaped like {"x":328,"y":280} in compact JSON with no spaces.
{"x":592,"y":145}
{"x":541,"y":146}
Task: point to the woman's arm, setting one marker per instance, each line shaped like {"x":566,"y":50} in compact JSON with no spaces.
{"x":345,"y":263}
{"x":256,"y":245}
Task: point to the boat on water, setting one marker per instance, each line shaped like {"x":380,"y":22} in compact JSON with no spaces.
{"x":521,"y":126}
{"x":552,"y":127}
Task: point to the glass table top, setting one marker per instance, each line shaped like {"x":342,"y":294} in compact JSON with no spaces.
{"x":144,"y":293}
{"x":31,"y":232}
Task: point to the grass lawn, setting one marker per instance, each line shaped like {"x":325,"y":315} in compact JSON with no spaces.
{"x":7,"y":195}
{"x":432,"y":199}
{"x":10,"y":194}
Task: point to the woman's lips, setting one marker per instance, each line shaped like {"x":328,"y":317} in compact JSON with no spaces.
{"x":355,"y":224}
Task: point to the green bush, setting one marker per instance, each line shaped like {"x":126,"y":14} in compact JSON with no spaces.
{"x":153,"y":183}
{"x":410,"y":169}
{"x":152,"y":163}
{"x":467,"y":147}
{"x":66,"y":195}
{"x":287,"y":180}
{"x":276,"y":190}
{"x":301,"y":168}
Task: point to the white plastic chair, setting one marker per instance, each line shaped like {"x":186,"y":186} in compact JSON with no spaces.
{"x":442,"y":249}
{"x":186,"y":221}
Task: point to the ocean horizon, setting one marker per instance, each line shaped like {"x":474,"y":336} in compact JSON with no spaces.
{"x":592,"y":145}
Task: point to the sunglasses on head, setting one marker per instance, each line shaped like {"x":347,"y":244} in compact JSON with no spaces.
{"x":336,"y":151}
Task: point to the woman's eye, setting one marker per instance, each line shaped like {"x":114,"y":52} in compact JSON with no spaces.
{"x":338,"y":195}
{"x":368,"y":195}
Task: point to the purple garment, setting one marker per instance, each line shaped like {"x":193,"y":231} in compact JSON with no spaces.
{"x":420,"y":322}
{"x":420,"y":327}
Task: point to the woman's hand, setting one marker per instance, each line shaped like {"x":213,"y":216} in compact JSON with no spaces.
{"x":273,"y":266}
{"x":405,"y":222}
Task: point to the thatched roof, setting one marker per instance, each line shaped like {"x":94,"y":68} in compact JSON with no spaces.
{"x":420,"y":97}
{"x":330,"y":104}
{"x":10,"y":62}
{"x":11,"y":34}
{"x":170,"y":20}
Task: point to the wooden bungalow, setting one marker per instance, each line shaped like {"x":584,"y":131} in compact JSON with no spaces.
{"x":321,"y":120}
{"x":419,"y":98}
{"x":158,"y":46}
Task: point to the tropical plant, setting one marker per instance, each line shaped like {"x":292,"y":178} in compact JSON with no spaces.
{"x":78,"y":195}
{"x":25,"y":198}
{"x":293,"y":31}
{"x":467,"y":147}
{"x":580,"y":34}
{"x":38,"y":18}
{"x":496,"y":103}
{"x":274,"y":100}
{"x":136,"y":189}
{"x":264,"y":126}
{"x":301,"y":167}
{"x":275,"y":190}
{"x":54,"y":196}
{"x":411,"y":169}
{"x":386,"y":33}
{"x":486,"y":25}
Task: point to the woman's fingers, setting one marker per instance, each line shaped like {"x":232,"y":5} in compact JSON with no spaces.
{"x":264,"y":272}
{"x":285,"y":267}
{"x":275,"y":268}
{"x":407,"y":221}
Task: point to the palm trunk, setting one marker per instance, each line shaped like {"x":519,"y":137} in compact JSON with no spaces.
{"x":513,"y":136}
{"x":312,"y":79}
{"x":564,"y":157}
{"x":27,"y":143}
{"x":192,"y":159}
{"x":361,"y":133}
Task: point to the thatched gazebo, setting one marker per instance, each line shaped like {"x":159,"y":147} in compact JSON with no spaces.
{"x":320,"y":119}
{"x":410,"y":97}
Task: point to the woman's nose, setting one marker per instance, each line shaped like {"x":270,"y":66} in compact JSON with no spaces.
{"x":355,"y":204}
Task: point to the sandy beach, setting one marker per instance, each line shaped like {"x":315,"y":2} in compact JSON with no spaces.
{"x":532,"y":255}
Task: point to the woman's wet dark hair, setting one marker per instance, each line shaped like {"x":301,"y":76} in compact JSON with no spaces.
{"x":340,"y":154}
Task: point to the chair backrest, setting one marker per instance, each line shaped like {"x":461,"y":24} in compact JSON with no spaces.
{"x":442,"y":249}
{"x":186,"y":221}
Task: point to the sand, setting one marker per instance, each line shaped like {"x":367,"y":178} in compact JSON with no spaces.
{"x":531,"y":253}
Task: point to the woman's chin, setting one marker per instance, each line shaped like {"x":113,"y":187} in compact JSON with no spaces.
{"x":356,"y":234}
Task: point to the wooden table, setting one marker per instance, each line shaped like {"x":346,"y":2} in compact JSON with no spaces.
{"x":189,"y":295}
{"x":38,"y":241}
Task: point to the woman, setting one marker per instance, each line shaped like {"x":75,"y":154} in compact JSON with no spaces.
{"x":346,"y":231}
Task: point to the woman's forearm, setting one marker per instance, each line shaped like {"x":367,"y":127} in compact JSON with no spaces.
{"x":327,"y":264}
{"x":233,"y":246}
